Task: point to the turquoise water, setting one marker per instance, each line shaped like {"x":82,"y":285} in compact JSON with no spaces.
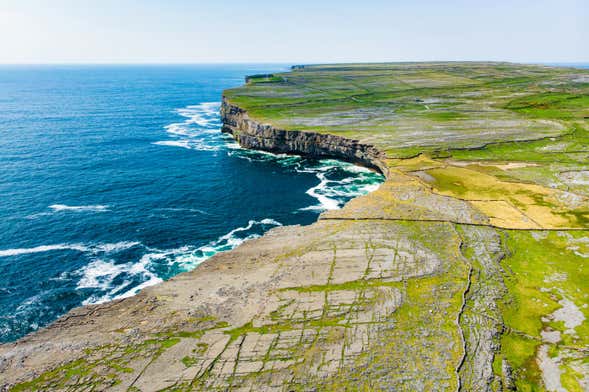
{"x":114,"y":178}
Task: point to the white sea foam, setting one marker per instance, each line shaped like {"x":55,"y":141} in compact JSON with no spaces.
{"x":237,"y":151}
{"x":332,"y":193}
{"x":41,"y":248}
{"x":101,"y":273}
{"x":113,"y":247}
{"x":356,"y":169}
{"x":173,"y":143}
{"x":203,"y":114}
{"x":188,"y":257}
{"x":93,"y":248}
{"x":318,"y":192}
{"x":269,"y":221}
{"x":370,"y":188}
{"x":199,"y":131}
{"x":59,"y":208}
{"x":93,"y":208}
{"x":177,"y":129}
{"x":151,"y":281}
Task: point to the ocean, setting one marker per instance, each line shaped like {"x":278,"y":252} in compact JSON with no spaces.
{"x":115,"y":178}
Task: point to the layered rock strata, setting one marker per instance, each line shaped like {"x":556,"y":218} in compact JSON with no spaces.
{"x":254,"y":135}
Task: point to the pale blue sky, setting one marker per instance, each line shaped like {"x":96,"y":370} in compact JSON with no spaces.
{"x":295,"y":31}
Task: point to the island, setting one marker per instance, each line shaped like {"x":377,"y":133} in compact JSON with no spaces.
{"x":468,"y":269}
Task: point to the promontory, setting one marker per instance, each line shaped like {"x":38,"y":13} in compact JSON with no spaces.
{"x":468,"y":269}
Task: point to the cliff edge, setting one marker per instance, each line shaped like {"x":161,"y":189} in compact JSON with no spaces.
{"x":254,"y":135}
{"x":466,"y":270}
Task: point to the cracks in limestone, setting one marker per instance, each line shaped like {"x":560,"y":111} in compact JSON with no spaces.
{"x":481,"y":320}
{"x":143,"y":370}
{"x":540,"y":340}
{"x":452,"y":222}
{"x":236,"y":363}
{"x":474,"y":285}
{"x":458,"y":320}
{"x":328,"y":283}
{"x":271,"y":348}
{"x":210,"y":367}
{"x":369,"y":250}
{"x":434,"y":191}
{"x":69,"y":317}
{"x":324,"y":313}
{"x":572,"y":170}
{"x":332,"y":265}
{"x":485,"y":145}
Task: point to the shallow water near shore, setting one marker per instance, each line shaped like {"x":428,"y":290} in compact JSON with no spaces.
{"x":114,"y":178}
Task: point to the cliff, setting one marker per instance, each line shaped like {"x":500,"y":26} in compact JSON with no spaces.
{"x":254,"y":135}
{"x":466,"y":270}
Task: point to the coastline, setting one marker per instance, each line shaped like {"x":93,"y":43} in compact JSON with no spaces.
{"x":254,"y":135}
{"x":413,"y":286}
{"x":244,"y":130}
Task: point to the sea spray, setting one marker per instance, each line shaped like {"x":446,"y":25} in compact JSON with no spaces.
{"x":122,"y":188}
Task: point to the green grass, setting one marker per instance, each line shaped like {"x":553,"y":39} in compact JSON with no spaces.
{"x":458,"y":111}
{"x":57,"y":378}
{"x":455,"y":102}
{"x":540,"y":272}
{"x":445,"y":115}
{"x":355,"y":285}
{"x":189,"y":361}
{"x":553,"y":105}
{"x":114,"y":359}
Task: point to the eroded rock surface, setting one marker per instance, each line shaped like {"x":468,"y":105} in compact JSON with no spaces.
{"x":466,"y":270}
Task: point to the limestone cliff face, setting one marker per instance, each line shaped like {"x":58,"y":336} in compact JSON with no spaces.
{"x":375,"y":296}
{"x":252,"y":134}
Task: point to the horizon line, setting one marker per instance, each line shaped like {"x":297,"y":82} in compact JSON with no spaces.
{"x":546,"y":62}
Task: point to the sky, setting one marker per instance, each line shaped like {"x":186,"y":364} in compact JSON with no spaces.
{"x":294,"y":31}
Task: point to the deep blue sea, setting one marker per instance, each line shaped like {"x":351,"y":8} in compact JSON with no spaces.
{"x":569,"y":65}
{"x":114,"y":178}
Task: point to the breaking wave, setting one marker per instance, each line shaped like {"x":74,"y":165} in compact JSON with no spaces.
{"x":338,"y":181}
{"x":59,"y":208}
{"x":40,"y":248}
{"x":97,"y":248}
{"x":199,"y":131}
{"x":111,"y":280}
{"x":101,"y":272}
{"x":107,"y":276}
{"x":93,"y":208}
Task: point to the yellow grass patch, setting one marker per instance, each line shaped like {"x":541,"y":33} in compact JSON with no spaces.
{"x":508,"y":204}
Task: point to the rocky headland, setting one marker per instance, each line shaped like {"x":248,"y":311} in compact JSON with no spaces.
{"x":466,"y":270}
